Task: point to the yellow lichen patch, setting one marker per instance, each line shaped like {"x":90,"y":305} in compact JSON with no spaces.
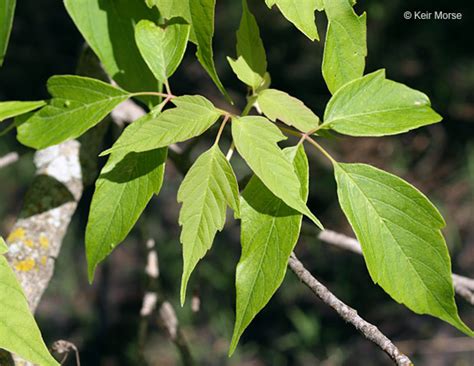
{"x":26,"y":265}
{"x":17,"y":234}
{"x":43,"y":260}
{"x":44,"y":241}
{"x":29,"y":243}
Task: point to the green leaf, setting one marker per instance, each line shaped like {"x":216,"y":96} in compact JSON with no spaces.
{"x":13,"y":109}
{"x":3,"y":246}
{"x":162,"y":48}
{"x":209,"y":186}
{"x":7,"y":12}
{"x":19,"y":333}
{"x":375,"y":106}
{"x":192,"y":116}
{"x":256,"y":140}
{"x":175,"y":9}
{"x":276,"y":104}
{"x":125,"y":186}
{"x":251,"y":64}
{"x":300,"y":13}
{"x":400,"y":233}
{"x":78,"y":104}
{"x":270,"y":231}
{"x":346,"y":44}
{"x":109,"y":29}
{"x":202,"y":19}
{"x":151,"y":3}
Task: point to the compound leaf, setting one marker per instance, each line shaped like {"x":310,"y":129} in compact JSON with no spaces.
{"x":300,"y":13}
{"x":13,"y":109}
{"x":108,"y":26}
{"x":209,"y":186}
{"x":192,"y":116}
{"x":269,"y":233}
{"x":375,"y":106}
{"x":162,"y":47}
{"x":19,"y":333}
{"x":276,"y":104}
{"x":7,"y":12}
{"x":78,"y":104}
{"x":346,"y":44}
{"x":202,"y":19}
{"x":251,"y":63}
{"x":256,"y":140}
{"x":400,"y":233}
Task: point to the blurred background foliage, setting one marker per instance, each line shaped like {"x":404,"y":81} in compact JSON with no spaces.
{"x":294,"y":329}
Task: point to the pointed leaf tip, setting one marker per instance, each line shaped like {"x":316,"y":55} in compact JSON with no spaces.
{"x":269,"y":232}
{"x":206,"y":191}
{"x":403,"y":247}
{"x":256,"y":140}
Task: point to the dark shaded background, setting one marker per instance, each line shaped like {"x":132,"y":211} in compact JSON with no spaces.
{"x":295,"y":329}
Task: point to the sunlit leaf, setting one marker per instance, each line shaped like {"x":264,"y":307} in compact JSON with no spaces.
{"x":162,"y":47}
{"x":375,"y":106}
{"x":13,"y":109}
{"x":270,"y":230}
{"x":192,"y":116}
{"x":251,"y":63}
{"x":202,"y":19}
{"x":109,"y":29}
{"x":209,"y":186}
{"x":19,"y":333}
{"x":300,"y":13}
{"x":125,"y":186}
{"x":7,"y":11}
{"x":256,"y":140}
{"x":346,"y":44}
{"x":78,"y":104}
{"x":276,"y":104}
{"x":400,"y":233}
{"x":174,"y":9}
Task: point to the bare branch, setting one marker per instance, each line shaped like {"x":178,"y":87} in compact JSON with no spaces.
{"x":341,"y":240}
{"x":463,"y":286}
{"x":8,"y":159}
{"x":370,"y":331}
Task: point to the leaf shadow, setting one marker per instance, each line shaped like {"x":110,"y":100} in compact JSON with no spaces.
{"x":135,"y":165}
{"x":45,"y":194}
{"x":262,"y":200}
{"x":122,"y":15}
